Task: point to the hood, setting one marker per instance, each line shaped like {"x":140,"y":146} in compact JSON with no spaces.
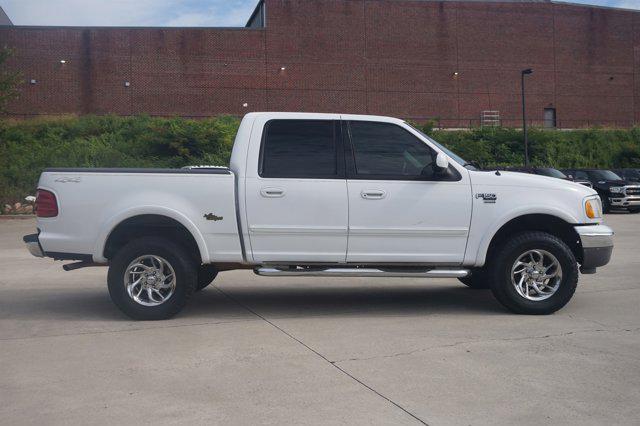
{"x":531,"y":181}
{"x":609,"y":183}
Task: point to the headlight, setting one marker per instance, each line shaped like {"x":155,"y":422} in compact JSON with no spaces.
{"x":616,"y":189}
{"x":593,"y":207}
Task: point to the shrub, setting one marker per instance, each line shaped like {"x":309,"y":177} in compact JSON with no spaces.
{"x":27,"y":147}
{"x":601,"y":148}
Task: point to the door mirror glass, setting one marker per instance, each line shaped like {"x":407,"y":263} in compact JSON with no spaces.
{"x":442,"y":161}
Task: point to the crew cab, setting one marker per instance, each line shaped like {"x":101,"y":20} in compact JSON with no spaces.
{"x":323,"y":195}
{"x":614,"y":191}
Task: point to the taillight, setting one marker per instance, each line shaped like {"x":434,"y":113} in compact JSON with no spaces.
{"x":46,"y":204}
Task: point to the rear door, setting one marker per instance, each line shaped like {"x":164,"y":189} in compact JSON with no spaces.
{"x":296,"y":193}
{"x":400,"y":211}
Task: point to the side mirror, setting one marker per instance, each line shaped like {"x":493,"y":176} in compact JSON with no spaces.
{"x":442,"y":161}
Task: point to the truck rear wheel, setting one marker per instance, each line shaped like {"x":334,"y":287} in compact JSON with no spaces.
{"x":151,"y":278}
{"x":478,"y":280}
{"x":206,"y":275}
{"x":534,"y":273}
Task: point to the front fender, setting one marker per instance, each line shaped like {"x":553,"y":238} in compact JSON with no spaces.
{"x":483,"y":241}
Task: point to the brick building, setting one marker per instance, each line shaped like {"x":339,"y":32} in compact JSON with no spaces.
{"x":452,"y":60}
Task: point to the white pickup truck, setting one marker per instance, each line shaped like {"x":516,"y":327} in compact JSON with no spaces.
{"x":323,"y":195}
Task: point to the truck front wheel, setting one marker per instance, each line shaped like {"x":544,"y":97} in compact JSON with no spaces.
{"x":534,"y":273}
{"x":151,"y":278}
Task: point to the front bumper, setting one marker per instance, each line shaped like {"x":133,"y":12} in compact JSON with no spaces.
{"x":623,"y":201}
{"x":33,"y":245}
{"x":597,"y":246}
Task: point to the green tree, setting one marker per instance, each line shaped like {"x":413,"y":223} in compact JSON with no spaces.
{"x":8,"y":79}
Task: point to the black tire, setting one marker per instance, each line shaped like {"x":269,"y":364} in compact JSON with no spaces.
{"x":606,"y":205}
{"x":478,"y":280}
{"x":206,"y":275}
{"x":186,"y":276}
{"x":634,"y":210}
{"x":501,"y":283}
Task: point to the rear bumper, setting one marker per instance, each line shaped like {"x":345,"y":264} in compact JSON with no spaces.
{"x":32,"y":242}
{"x":597,"y":246}
{"x":33,"y":245}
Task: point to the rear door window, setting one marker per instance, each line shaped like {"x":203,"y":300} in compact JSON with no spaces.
{"x":299,"y":149}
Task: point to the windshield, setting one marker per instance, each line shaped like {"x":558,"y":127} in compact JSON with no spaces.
{"x":446,"y":150}
{"x":550,"y":171}
{"x":604,"y":175}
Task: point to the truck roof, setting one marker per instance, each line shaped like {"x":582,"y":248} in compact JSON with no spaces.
{"x":322,"y":115}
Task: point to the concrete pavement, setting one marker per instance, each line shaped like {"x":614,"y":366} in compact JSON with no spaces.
{"x":254,"y":350}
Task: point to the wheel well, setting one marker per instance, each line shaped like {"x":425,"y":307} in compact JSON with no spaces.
{"x":150,"y":225}
{"x":538,"y":222}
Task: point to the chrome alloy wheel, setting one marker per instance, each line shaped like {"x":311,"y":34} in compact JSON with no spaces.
{"x":536,"y":275}
{"x":150,"y":280}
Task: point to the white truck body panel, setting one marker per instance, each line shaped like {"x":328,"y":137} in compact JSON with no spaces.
{"x":519,"y":194}
{"x":92,"y":204}
{"x":297,"y":220}
{"x":414,"y":222}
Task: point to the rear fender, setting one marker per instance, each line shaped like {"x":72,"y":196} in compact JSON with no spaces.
{"x":113,"y":222}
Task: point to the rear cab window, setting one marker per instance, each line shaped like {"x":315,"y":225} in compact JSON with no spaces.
{"x":301,"y":149}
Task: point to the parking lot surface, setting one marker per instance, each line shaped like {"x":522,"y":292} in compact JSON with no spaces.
{"x":254,"y":350}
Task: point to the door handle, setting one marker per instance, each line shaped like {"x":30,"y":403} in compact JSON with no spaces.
{"x":373,"y":194}
{"x":272,"y":192}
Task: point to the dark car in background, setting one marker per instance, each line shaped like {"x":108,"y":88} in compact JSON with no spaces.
{"x":548,"y":171}
{"x":614,"y":191}
{"x":632,"y":175}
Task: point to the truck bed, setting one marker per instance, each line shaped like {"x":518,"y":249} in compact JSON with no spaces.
{"x":183,"y":171}
{"x":92,"y":202}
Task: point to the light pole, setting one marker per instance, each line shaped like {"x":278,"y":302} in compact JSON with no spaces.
{"x":524,"y":119}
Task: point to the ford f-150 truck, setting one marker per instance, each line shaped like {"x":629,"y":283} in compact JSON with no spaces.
{"x":323,"y":195}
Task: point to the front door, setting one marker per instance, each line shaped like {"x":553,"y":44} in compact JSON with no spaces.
{"x":400,"y":208}
{"x":297,"y":206}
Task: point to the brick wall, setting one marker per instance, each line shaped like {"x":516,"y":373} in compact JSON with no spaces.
{"x":375,"y":56}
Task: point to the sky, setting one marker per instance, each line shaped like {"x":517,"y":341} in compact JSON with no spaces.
{"x":164,"y":13}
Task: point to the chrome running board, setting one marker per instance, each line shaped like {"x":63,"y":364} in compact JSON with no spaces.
{"x":275,"y":271}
